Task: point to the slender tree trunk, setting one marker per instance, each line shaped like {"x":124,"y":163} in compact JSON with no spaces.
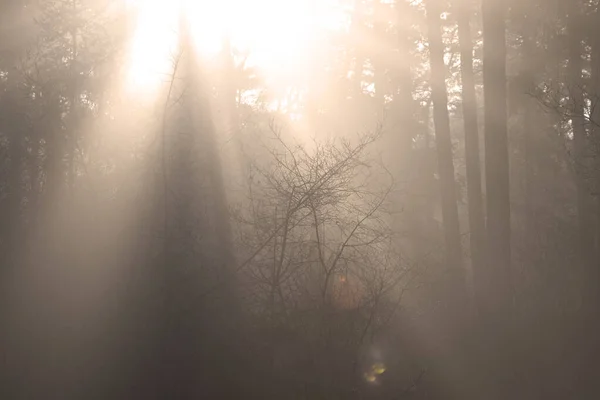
{"x":473,"y":169}
{"x":497,"y":306}
{"x":405,"y":104}
{"x":378,"y":58}
{"x":54,"y":148}
{"x":529,"y":128}
{"x":593,"y":275}
{"x":443,"y":141}
{"x":11,"y":234}
{"x":450,"y":360}
{"x":498,"y":283}
{"x":404,"y":129}
{"x":359,"y":32}
{"x":73,"y":118}
{"x":9,"y":213}
{"x":582,"y":167}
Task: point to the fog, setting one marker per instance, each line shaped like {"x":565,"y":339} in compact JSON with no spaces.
{"x":294,"y":199}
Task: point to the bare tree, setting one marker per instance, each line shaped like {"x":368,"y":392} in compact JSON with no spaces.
{"x":320,"y":258}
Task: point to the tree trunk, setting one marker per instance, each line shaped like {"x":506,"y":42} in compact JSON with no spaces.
{"x":473,"y":169}
{"x":495,"y":311}
{"x":12,"y":126}
{"x":11,"y":234}
{"x":378,"y":57}
{"x":404,"y":129}
{"x":498,"y":284}
{"x":443,"y":141}
{"x":449,"y":358}
{"x":529,"y":129}
{"x":582,"y":168}
{"x":593,"y":274}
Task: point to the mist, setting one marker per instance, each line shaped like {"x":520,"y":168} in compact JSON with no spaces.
{"x":341,"y":199}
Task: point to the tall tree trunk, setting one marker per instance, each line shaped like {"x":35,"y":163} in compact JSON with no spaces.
{"x":11,"y":234}
{"x":360,"y":35}
{"x":11,"y":125}
{"x":473,"y":169}
{"x":593,"y":275}
{"x":580,"y":159}
{"x":496,"y":307}
{"x":443,"y":141}
{"x":449,"y":360}
{"x":404,"y":129}
{"x":404,"y":102}
{"x":73,"y":117}
{"x":529,"y":126}
{"x":378,"y":56}
{"x":498,"y":283}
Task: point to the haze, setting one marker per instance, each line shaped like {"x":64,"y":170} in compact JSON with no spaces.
{"x":299,"y":199}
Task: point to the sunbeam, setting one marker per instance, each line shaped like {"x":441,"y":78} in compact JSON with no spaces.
{"x":279,"y":35}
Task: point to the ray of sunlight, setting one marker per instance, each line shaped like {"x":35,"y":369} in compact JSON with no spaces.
{"x":280,"y":35}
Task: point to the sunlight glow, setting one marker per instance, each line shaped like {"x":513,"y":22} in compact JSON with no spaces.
{"x":153,"y":43}
{"x":280,"y":35}
{"x":274,"y":30}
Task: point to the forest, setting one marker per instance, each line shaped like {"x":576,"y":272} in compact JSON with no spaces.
{"x":300,"y":199}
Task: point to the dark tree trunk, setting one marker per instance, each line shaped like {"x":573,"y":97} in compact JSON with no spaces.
{"x":473,"y":168}
{"x":11,"y":124}
{"x":449,"y":358}
{"x":498,"y":282}
{"x":580,"y":157}
{"x":496,"y":309}
{"x":592,"y":275}
{"x":529,"y":128}
{"x":443,"y":142}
